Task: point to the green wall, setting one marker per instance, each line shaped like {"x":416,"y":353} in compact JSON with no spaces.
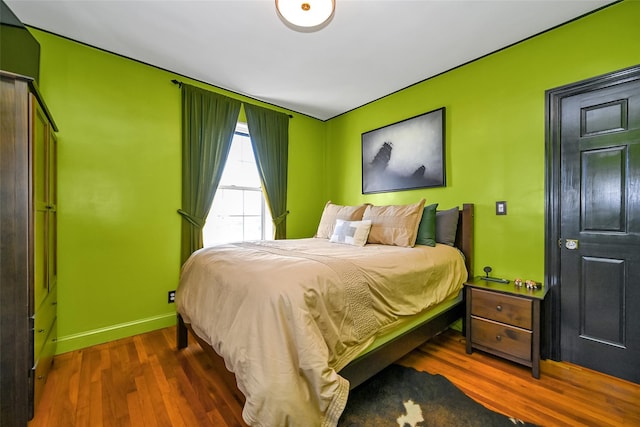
{"x":119,"y":163}
{"x":495,"y":132}
{"x":119,"y":189}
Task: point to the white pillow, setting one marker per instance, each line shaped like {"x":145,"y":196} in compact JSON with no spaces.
{"x":351,"y":232}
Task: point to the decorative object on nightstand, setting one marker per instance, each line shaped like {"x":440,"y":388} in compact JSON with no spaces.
{"x":488,"y":270}
{"x":504,"y":320}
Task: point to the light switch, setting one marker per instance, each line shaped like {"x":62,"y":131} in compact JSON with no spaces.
{"x":501,"y":208}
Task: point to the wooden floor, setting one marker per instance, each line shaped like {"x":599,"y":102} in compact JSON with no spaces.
{"x":145,"y":381}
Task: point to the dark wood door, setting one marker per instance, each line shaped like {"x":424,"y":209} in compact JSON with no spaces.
{"x":600,"y":229}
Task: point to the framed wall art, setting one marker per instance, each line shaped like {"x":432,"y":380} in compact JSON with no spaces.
{"x":405,"y":155}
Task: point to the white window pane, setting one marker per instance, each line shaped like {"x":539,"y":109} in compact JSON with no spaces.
{"x":239,"y":211}
{"x":268,"y":225}
{"x":240,"y":169}
{"x":227,"y":202}
{"x":252,"y":228}
{"x":223,"y":229}
{"x":253,"y":203}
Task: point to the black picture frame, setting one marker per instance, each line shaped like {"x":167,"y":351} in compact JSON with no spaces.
{"x":406,"y":155}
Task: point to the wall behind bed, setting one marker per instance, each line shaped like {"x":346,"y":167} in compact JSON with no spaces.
{"x":495,"y":132}
{"x":119,"y":189}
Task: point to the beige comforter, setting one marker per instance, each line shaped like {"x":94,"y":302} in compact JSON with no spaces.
{"x":287,"y":315}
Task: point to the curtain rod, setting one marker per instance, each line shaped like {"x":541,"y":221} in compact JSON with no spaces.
{"x":179,"y":83}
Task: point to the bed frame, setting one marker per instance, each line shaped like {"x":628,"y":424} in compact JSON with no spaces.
{"x":369,"y":364}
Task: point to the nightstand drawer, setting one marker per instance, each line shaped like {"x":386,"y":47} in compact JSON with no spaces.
{"x":502,"y":308}
{"x":495,"y":336}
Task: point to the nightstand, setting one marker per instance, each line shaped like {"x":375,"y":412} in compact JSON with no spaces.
{"x":504,"y":320}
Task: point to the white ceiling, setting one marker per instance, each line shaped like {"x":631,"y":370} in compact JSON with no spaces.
{"x":368,"y":50}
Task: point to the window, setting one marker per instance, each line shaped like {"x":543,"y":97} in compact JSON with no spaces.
{"x":239,"y":211}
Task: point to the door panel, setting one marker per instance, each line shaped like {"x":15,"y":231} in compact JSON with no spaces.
{"x":603,"y":189}
{"x":602,"y":306}
{"x":600,"y":209}
{"x":604,"y":118}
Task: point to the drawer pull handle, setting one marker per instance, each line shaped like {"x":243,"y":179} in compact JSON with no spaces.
{"x":40,"y":331}
{"x":40,"y":377}
{"x":498,"y":337}
{"x":499,"y":307}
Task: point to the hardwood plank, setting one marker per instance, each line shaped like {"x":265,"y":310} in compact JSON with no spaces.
{"x":148,"y":409}
{"x":145,"y":380}
{"x":178,"y":400}
{"x":95,"y":404}
{"x":83,"y":406}
{"x":116,"y":386}
{"x":136,"y":413}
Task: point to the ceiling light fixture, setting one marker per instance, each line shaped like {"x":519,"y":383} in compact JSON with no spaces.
{"x":306,"y":15}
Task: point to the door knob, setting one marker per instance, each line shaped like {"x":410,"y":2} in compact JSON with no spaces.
{"x":571,"y":244}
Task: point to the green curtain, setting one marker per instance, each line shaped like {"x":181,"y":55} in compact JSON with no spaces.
{"x":208,"y":124}
{"x":269,"y":132}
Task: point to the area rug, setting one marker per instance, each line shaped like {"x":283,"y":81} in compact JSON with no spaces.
{"x":400,"y":396}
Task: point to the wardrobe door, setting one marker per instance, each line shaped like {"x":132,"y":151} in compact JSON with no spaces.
{"x":28,"y":237}
{"x":44,"y":256}
{"x":15,"y":267}
{"x":39,"y":143}
{"x":52,"y":210}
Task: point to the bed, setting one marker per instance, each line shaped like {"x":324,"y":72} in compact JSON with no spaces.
{"x":300,"y":322}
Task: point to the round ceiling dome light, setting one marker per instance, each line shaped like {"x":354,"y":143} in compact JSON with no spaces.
{"x":306,"y":14}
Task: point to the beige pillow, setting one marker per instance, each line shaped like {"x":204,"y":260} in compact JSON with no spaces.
{"x":395,"y":225}
{"x":332,"y":212}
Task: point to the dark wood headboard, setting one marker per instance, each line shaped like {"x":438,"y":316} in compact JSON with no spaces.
{"x":464,"y":235}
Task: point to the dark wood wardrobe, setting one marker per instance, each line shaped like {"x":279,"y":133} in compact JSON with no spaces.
{"x":28,"y":239}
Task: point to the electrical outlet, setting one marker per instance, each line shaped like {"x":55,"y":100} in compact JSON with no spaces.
{"x":171,"y":297}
